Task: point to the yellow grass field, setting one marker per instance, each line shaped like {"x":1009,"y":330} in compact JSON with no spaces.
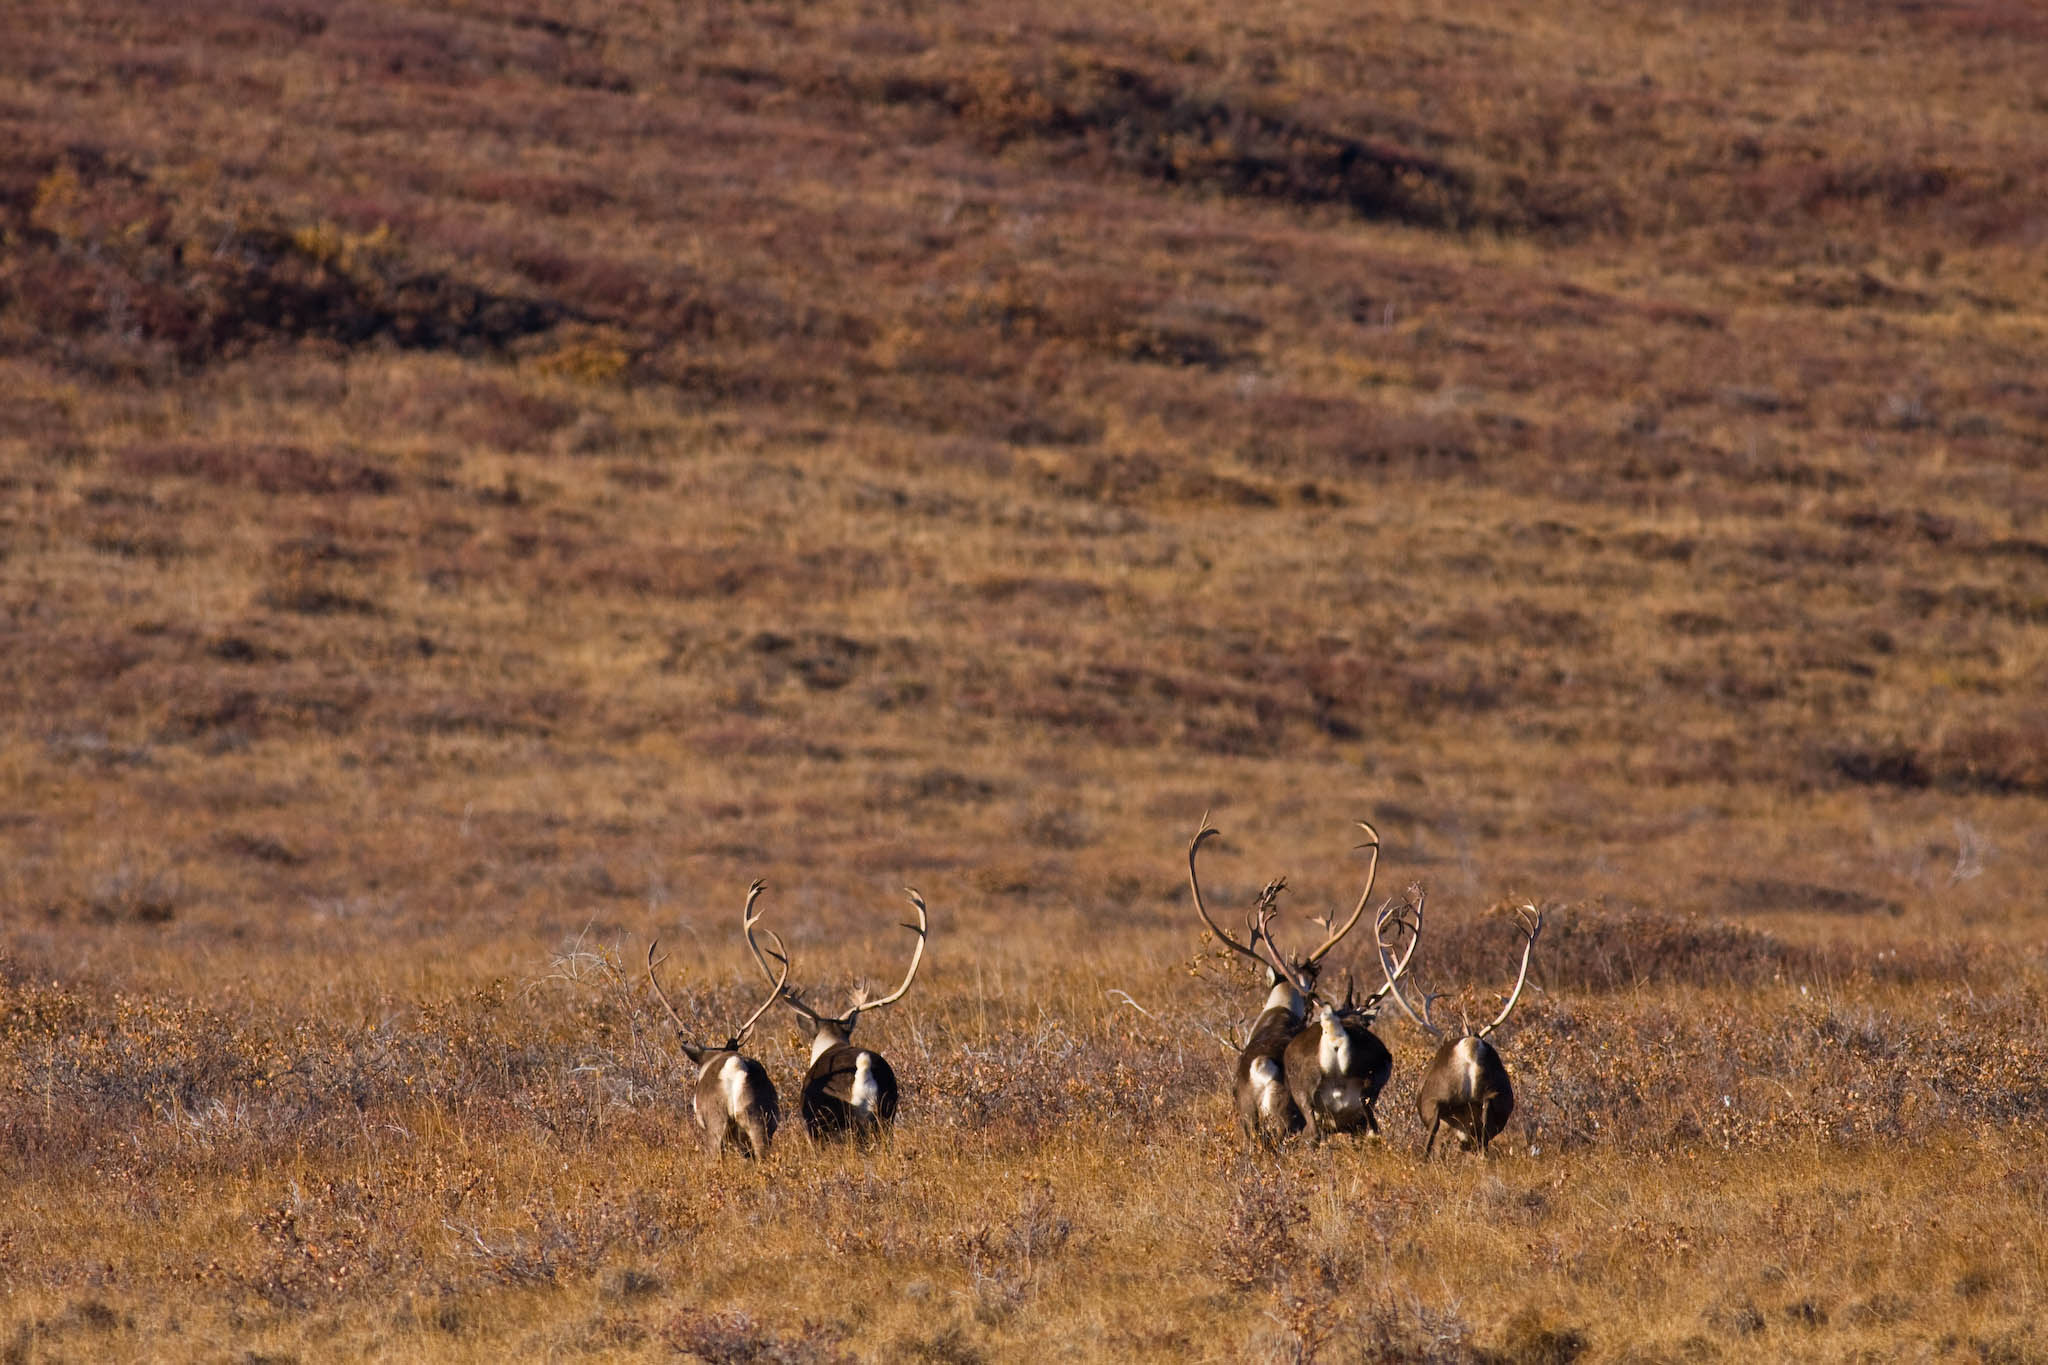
{"x":482,"y":481}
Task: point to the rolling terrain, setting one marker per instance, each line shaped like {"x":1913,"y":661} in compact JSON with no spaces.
{"x":481,"y":482}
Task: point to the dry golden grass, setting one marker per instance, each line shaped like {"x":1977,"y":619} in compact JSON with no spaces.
{"x":478,"y":485}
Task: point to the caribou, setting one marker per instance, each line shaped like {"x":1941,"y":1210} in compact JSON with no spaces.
{"x":734,"y":1103}
{"x":1466,"y":1086}
{"x":1335,"y":1066}
{"x":849,"y":1091}
{"x":1266,"y":1106}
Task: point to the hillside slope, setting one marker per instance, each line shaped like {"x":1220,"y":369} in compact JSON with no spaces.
{"x":479,"y":484}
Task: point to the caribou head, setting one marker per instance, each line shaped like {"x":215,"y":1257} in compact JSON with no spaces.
{"x":1466,"y":1087}
{"x":848,"y":1090}
{"x":735,"y":1104}
{"x":1335,"y":1066}
{"x":1266,"y":1107}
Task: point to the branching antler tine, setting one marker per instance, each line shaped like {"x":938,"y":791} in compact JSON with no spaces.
{"x":1396,"y":914}
{"x":652,"y":980}
{"x":1195,"y":885}
{"x":1262,"y":937}
{"x":923,"y":931}
{"x":1429,"y":1011}
{"x":1418,"y":898}
{"x":1372,"y":841}
{"x":748,"y":919}
{"x":1392,"y":989}
{"x":782,"y":956}
{"x":796,"y":1002}
{"x":1530,"y":927}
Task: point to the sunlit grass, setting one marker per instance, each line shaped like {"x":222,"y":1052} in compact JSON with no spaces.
{"x":476,"y":489}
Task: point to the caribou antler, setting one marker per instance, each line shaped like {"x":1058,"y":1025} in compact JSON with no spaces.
{"x":849,"y":1091}
{"x":748,"y":921}
{"x":661,"y":994}
{"x":923,"y":931}
{"x":1467,"y":1087}
{"x":1195,"y":885}
{"x":1530,"y":921}
{"x":1261,"y":922}
{"x":739,"y":1036}
{"x":1393,"y":972}
{"x":781,"y":987}
{"x":1331,"y":939}
{"x":1396,"y":915}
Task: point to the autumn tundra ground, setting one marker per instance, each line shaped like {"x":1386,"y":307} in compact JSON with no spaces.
{"x":480,"y":483}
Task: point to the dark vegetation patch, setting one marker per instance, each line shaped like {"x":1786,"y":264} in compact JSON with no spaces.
{"x":270,"y":469}
{"x":1224,"y":709}
{"x":260,"y":848}
{"x":1133,"y":121}
{"x":941,"y":785}
{"x":105,"y":260}
{"x":821,"y":660}
{"x":1772,"y":894}
{"x":143,"y":894}
{"x":1903,"y":523}
{"x":2022,"y":605}
{"x":132,"y":542}
{"x":1517,"y":622}
{"x":1881,"y":764}
{"x":498,"y":714}
{"x":1531,"y":1338}
{"x":226,"y":716}
{"x":1897,"y":186}
{"x":239,"y":649}
{"x":2018,"y":547}
{"x":1854,"y":289}
{"x":1348,"y":438}
{"x":735,"y":1336}
{"x":1695,"y":623}
{"x":318,"y":599}
{"x":1596,"y":948}
{"x":2005,"y":757}
{"x":571,"y":566}
{"x":1062,"y":593}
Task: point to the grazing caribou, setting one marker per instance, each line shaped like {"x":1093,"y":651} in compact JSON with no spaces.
{"x":1265,"y":1106}
{"x":734,"y":1103}
{"x":849,"y":1091}
{"x":1466,"y":1086}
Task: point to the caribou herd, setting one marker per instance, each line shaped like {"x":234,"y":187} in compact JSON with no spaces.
{"x":1311,"y":1064}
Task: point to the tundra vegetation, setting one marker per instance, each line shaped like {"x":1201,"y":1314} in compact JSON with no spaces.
{"x":482,"y":482}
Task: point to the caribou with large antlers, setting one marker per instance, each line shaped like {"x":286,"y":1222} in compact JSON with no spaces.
{"x":735,"y":1103}
{"x":1336,"y":1066}
{"x":1265,"y":1105}
{"x":849,"y":1091}
{"x":1466,"y":1086}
